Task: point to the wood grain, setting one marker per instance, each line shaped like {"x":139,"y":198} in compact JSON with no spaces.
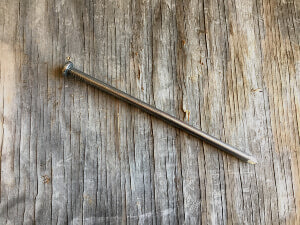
{"x":71,"y":154}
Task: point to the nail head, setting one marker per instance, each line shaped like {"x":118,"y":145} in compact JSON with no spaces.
{"x":67,"y":67}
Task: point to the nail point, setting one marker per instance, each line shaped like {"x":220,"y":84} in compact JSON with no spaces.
{"x":252,"y":161}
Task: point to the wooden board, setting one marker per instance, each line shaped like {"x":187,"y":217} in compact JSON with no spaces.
{"x":71,"y":154}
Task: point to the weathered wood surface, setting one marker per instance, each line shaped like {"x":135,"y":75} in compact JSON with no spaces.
{"x":71,"y":154}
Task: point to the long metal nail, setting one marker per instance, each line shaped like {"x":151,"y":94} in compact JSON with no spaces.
{"x":69,"y":69}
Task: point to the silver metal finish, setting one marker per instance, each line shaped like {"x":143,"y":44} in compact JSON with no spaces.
{"x":69,"y":69}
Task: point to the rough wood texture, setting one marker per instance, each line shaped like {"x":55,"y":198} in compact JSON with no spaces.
{"x":71,"y":154}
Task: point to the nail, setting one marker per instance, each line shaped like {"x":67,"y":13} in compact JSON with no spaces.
{"x":69,"y":69}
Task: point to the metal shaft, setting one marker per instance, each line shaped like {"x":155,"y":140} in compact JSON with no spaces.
{"x":70,"y":70}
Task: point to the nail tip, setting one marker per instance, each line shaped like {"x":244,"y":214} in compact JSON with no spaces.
{"x":252,"y":161}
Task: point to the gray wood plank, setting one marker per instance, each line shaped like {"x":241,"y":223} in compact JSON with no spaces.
{"x":71,"y":154}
